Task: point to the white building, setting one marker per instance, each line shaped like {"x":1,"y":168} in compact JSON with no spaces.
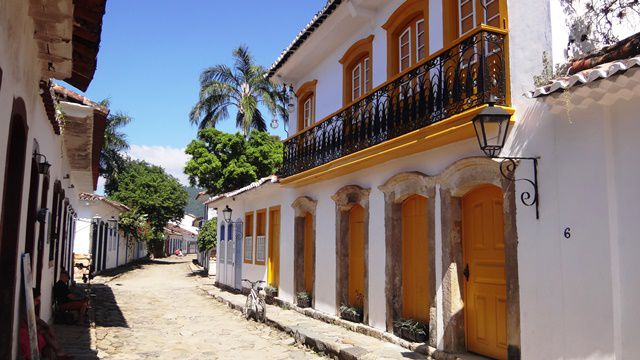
{"x":386,"y":200}
{"x":99,"y":235}
{"x":40,"y":40}
{"x":183,"y":235}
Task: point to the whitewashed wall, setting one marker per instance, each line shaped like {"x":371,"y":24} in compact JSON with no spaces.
{"x":578,"y":295}
{"x":21,"y":74}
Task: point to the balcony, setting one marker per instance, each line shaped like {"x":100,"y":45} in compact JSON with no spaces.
{"x":450,"y":82}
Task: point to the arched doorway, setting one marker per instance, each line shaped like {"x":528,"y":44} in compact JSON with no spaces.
{"x":10,"y":222}
{"x":309,"y":246}
{"x":42,"y":233}
{"x":32,"y":210}
{"x":415,"y":254}
{"x":304,"y":259}
{"x":484,"y":258}
{"x":357,"y":256}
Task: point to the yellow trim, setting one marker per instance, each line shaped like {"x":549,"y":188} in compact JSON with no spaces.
{"x":453,"y":129}
{"x":273,"y":258}
{"x":248,"y":215}
{"x":255,"y":237}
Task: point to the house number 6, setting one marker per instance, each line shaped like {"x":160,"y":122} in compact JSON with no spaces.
{"x":567,"y":233}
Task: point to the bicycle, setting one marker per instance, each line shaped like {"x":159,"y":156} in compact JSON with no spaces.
{"x":256,"y":303}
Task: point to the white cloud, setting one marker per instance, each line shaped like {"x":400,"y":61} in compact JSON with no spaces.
{"x":169,"y":158}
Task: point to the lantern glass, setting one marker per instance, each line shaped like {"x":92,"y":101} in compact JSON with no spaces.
{"x":491,"y":126}
{"x":227,"y":214}
{"x":43,"y":167}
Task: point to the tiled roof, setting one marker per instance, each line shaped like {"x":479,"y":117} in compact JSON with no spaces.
{"x":94,"y":197}
{"x":64,"y":94}
{"x":176,"y":229}
{"x":46,"y":93}
{"x":303,"y":35}
{"x":254,"y":185}
{"x":609,"y":61}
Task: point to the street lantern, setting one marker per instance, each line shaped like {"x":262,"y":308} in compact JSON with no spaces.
{"x":492,"y":125}
{"x":43,"y":164}
{"x":227,"y":214}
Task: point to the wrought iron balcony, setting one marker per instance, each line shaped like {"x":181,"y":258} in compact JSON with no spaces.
{"x":454,"y":80}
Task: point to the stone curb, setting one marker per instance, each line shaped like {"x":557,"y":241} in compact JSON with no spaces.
{"x":312,"y":341}
{"x":327,"y":348}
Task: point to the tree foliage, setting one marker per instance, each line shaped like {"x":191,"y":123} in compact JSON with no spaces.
{"x":243,"y":87}
{"x":208,"y":235}
{"x":149,"y":190}
{"x":222,"y":162}
{"x":601,"y":16}
{"x":112,"y":161}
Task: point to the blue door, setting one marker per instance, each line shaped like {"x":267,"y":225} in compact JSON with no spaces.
{"x":239,"y":236}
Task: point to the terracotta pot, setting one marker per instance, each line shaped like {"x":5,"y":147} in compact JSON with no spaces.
{"x":357,"y":318}
{"x":304,"y":303}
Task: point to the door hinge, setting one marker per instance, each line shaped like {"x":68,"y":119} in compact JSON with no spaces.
{"x":466,"y":272}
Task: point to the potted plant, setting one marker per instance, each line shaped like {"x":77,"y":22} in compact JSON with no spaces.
{"x":304,"y":299}
{"x":272,"y":293}
{"x":351,"y":313}
{"x":411,"y":330}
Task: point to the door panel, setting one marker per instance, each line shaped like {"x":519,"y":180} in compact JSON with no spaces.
{"x":274,"y":248}
{"x":308,"y":253}
{"x":415,"y":260}
{"x":356,"y":256}
{"x":485,"y":300}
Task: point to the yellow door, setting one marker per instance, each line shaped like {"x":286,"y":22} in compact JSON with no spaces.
{"x":273,"y":273}
{"x":486,"y":291}
{"x":415,"y":260}
{"x":356,"y":256}
{"x":308,"y":253}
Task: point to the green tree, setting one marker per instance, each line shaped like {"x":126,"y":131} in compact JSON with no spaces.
{"x":148,"y":189}
{"x":243,"y":87}
{"x":208,"y":235}
{"x":112,"y":161}
{"x":601,"y":16}
{"x":222,"y":162}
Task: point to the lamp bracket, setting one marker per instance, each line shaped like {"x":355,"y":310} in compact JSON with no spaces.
{"x":507,"y":169}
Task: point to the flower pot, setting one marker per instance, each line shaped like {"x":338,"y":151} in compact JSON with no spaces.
{"x":357,"y":318}
{"x":413,"y":336}
{"x":304,"y":303}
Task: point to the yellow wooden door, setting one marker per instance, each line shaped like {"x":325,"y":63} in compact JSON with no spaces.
{"x":415,"y":260}
{"x":356,"y":256}
{"x":273,"y":273}
{"x":486,"y":291}
{"x":308,"y":253}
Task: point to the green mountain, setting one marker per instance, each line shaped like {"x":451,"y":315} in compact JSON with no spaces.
{"x":193,"y":207}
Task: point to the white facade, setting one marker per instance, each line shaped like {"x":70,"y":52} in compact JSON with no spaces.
{"x":574,"y":266}
{"x":22,"y":68}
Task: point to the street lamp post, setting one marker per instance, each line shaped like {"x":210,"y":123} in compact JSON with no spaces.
{"x":492,"y":126}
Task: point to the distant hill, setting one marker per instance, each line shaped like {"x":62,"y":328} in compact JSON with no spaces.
{"x":193,"y":207}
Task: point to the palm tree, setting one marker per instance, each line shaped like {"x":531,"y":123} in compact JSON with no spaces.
{"x":243,"y":87}
{"x":112,"y":160}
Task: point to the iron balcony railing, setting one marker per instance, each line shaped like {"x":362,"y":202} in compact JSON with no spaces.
{"x":456,"y":79}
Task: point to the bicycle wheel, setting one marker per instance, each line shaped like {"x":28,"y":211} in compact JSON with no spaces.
{"x":248,"y":306}
{"x":262,"y":311}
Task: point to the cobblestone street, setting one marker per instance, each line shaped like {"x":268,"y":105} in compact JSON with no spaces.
{"x":155,"y":311}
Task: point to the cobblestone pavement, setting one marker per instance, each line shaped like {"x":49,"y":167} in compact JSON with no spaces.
{"x":155,"y":311}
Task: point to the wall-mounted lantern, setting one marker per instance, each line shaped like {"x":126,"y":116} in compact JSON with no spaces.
{"x":492,"y":125}
{"x":227,"y":212}
{"x":43,"y":164}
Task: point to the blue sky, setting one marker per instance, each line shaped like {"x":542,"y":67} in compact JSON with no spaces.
{"x":152,"y":52}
